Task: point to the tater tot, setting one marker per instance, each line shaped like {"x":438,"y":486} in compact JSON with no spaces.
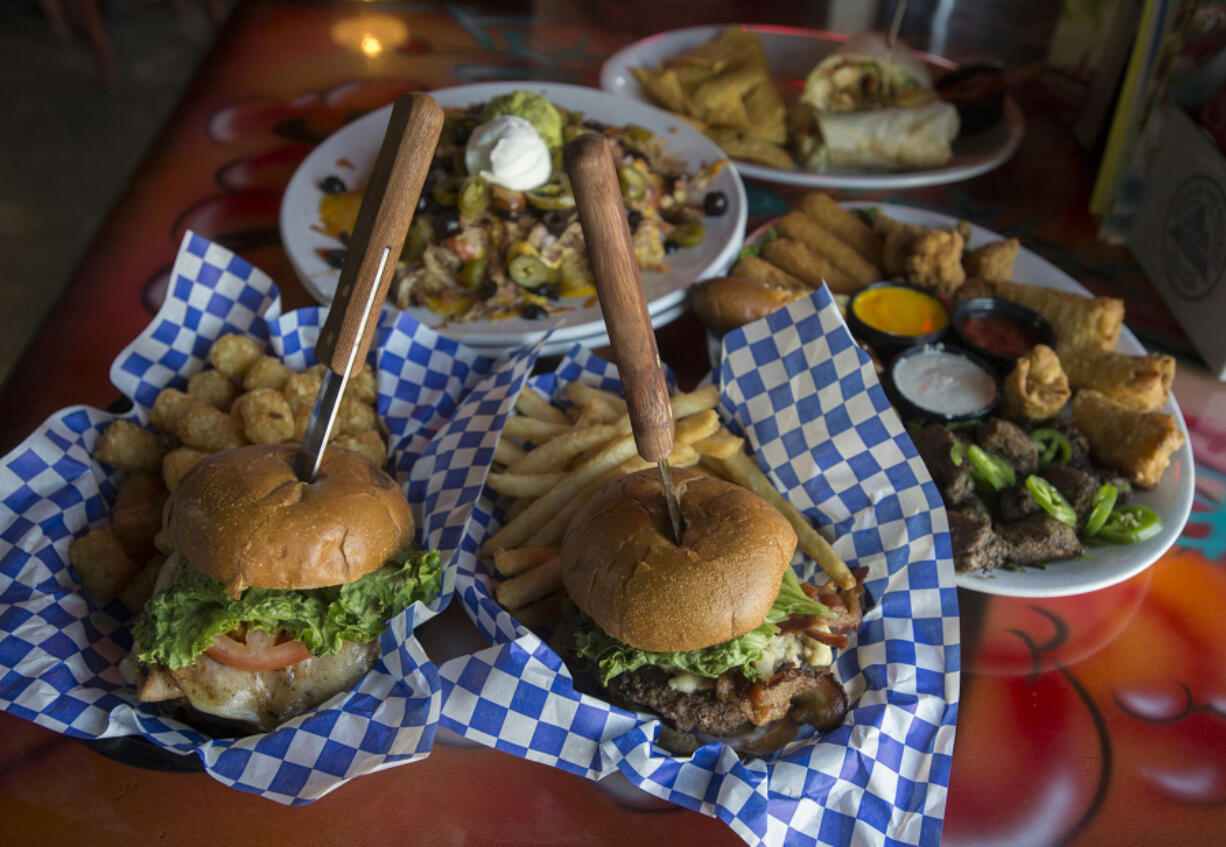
{"x":169,"y":406}
{"x":177,"y":463}
{"x":213,"y":388}
{"x":210,"y":430}
{"x":101,"y":564}
{"x":361,"y":385}
{"x":128,"y":447}
{"x":136,"y":515}
{"x":267,"y":417}
{"x":267,"y":372}
{"x":233,"y":354}
{"x":369,"y":444}
{"x":300,"y":391}
{"x":354,"y":416}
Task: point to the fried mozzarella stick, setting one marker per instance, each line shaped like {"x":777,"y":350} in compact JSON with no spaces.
{"x":797,"y":259}
{"x":822,"y":241}
{"x":824,"y":210}
{"x":1137,"y":443}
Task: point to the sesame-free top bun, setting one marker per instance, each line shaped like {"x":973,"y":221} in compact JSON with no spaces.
{"x":620,"y":565}
{"x":242,"y":517}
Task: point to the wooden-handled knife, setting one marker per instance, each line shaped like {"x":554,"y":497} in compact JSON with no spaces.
{"x":619,"y":288}
{"x":378,"y":236}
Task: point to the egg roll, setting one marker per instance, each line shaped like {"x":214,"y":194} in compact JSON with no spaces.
{"x":1077,"y":318}
{"x":1036,"y":388}
{"x":825,"y":243}
{"x":1136,"y":443}
{"x":794,"y":257}
{"x":824,"y":210}
{"x":1142,"y":382}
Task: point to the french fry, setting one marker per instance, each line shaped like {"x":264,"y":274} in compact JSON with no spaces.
{"x":513,"y":562}
{"x":555,"y":454}
{"x":516,"y":532}
{"x":530,"y":585}
{"x":683,"y":456}
{"x":721,"y":445}
{"x":580,"y":393}
{"x":544,"y":612}
{"x":550,"y":534}
{"x":524,"y":485}
{"x":533,"y":430}
{"x":533,"y":405}
{"x":507,"y":452}
{"x":517,"y":506}
{"x":743,"y":469}
{"x":696,"y":426}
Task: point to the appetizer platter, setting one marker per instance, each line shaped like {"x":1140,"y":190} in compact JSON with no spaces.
{"x":682,"y":234}
{"x":925,"y":143}
{"x":1123,"y":428}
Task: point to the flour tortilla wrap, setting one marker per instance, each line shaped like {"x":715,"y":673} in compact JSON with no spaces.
{"x":912,"y":137}
{"x":866,"y":73}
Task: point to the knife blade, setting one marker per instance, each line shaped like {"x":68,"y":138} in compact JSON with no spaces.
{"x":378,"y":236}
{"x":619,"y":288}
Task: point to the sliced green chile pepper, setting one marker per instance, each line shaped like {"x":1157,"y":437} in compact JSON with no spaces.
{"x":1051,"y":500}
{"x":1100,"y":508}
{"x":474,"y":272}
{"x":1054,"y":447}
{"x":957,"y":454}
{"x":446,"y":192}
{"x":474,"y":196}
{"x":633,"y":182}
{"x":555,"y":194}
{"x":1130,"y":524}
{"x":528,"y":271}
{"x":988,"y":470}
{"x":687,"y":234}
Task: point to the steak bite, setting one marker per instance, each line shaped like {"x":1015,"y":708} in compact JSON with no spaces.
{"x":975,"y":545}
{"x":935,"y":444}
{"x":1077,"y":486}
{"x":1037,"y":539}
{"x":1011,"y":443}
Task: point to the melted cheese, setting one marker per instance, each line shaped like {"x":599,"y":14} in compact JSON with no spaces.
{"x":688,"y":683}
{"x":792,"y":648}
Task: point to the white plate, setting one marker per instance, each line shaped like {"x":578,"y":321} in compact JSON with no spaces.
{"x":1171,"y":498}
{"x":792,"y":53}
{"x":350,"y":154}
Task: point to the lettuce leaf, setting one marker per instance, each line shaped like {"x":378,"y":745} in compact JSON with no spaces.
{"x":613,"y":657}
{"x":180,"y":623}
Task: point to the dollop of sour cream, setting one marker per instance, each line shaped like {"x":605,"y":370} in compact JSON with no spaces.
{"x":508,"y":150}
{"x":944,"y":382}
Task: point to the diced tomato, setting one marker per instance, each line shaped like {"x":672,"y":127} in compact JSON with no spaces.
{"x":258,"y":651}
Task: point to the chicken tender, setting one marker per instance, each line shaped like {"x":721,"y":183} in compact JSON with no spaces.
{"x":934,"y":261}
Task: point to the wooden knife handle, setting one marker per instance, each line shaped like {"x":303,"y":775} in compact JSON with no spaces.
{"x":619,"y":288}
{"x":383,"y":222}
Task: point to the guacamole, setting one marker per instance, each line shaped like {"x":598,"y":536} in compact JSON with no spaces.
{"x":533,"y":108}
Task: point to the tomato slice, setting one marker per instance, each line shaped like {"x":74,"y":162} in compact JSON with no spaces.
{"x":259,"y":651}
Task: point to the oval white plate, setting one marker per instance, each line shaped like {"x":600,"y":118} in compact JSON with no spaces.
{"x":1171,"y":498}
{"x":792,"y":53}
{"x":350,"y":153}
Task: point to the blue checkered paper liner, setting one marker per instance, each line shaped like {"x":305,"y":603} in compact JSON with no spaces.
{"x":443,"y":405}
{"x":808,"y":401}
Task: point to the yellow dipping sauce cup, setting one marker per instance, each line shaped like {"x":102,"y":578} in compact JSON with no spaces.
{"x":899,"y":310}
